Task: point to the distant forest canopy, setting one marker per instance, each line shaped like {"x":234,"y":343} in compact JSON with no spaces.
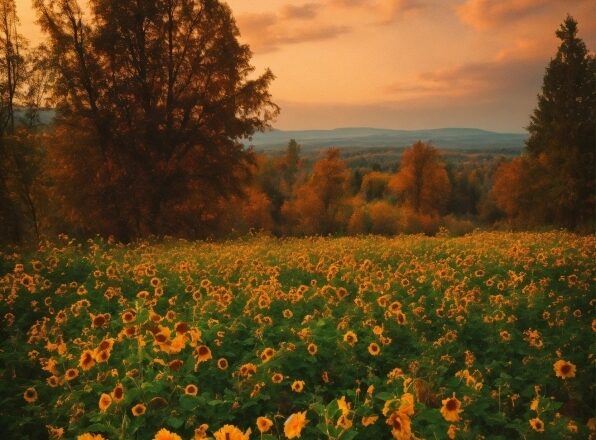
{"x":150,"y":106}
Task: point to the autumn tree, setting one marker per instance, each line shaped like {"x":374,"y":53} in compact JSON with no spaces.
{"x":421,"y":181}
{"x":152,"y":99}
{"x":374,"y":185}
{"x":321,"y":204}
{"x":19,"y":152}
{"x":554,"y":182}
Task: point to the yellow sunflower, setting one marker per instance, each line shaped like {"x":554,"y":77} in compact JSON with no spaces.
{"x":104,"y":402}
{"x":564,"y":369}
{"x":264,"y":424}
{"x":30,"y":395}
{"x":451,"y":409}
{"x":350,"y":337}
{"x":400,"y":425}
{"x":537,"y":424}
{"x":294,"y":424}
{"x":138,"y":410}
{"x":298,"y":386}
{"x":191,"y":390}
{"x":202,"y":353}
{"x":164,"y":434}
{"x":230,"y":432}
{"x":374,"y":349}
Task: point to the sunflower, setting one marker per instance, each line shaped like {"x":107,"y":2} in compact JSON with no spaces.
{"x":312,"y":349}
{"x":344,"y":422}
{"x":118,"y":393}
{"x":104,"y":402}
{"x":54,"y":381}
{"x":451,"y":409}
{"x":564,"y":369}
{"x":191,"y":390}
{"x":230,"y":432}
{"x":267,"y":354}
{"x":298,"y":386}
{"x":138,"y":410}
{"x":202,"y":353}
{"x":369,"y":420}
{"x":400,"y":425}
{"x":87,"y":360}
{"x":350,"y":337}
{"x":222,"y":363}
{"x":30,"y":395}
{"x":99,"y":320}
{"x":264,"y":424}
{"x":201,"y":432}
{"x":128,"y":316}
{"x":88,"y":436}
{"x":277,"y":378}
{"x":537,"y":424}
{"x":71,"y":374}
{"x":294,"y":424}
{"x":164,"y":434}
{"x":406,"y":405}
{"x":374,"y":349}
{"x":102,"y":356}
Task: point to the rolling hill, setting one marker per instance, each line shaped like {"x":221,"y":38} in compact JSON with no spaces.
{"x":356,"y":137}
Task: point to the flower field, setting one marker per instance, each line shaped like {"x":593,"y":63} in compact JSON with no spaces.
{"x":489,"y":336}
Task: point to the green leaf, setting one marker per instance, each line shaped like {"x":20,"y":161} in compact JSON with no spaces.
{"x":175,"y":422}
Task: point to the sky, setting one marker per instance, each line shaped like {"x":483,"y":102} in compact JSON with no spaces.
{"x":403,"y":64}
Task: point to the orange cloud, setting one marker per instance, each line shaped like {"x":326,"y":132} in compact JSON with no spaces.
{"x":267,"y":32}
{"x":305,"y":11}
{"x":385,"y":11}
{"x":480,"y":80}
{"x":489,"y":14}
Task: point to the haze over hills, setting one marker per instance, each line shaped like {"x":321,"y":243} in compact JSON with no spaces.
{"x":362,"y":137}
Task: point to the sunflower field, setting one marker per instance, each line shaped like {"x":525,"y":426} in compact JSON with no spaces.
{"x":487,"y":336}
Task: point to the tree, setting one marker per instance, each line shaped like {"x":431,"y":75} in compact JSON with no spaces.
{"x":320,"y":205}
{"x":562,"y":134}
{"x":18,"y":161}
{"x":152,"y":97}
{"x":422,"y":180}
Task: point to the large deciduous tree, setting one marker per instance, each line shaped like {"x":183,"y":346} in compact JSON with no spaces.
{"x":422,"y":181}
{"x":152,"y":98}
{"x":554,"y":182}
{"x":321,"y":203}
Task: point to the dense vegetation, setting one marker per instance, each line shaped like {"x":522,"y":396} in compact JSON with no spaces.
{"x":154,"y":102}
{"x":489,"y":334}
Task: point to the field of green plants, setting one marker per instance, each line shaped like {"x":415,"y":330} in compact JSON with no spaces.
{"x":487,"y":336}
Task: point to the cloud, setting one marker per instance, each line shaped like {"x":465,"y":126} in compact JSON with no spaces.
{"x":267,"y":32}
{"x":305,"y":11}
{"x":490,"y":14}
{"x":475,"y":80}
{"x":384,"y":11}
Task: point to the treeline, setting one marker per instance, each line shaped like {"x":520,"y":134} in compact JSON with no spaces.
{"x":151,"y":100}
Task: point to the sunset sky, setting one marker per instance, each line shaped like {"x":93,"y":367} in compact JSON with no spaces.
{"x":404,"y":64}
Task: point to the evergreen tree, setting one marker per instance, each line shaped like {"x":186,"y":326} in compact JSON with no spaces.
{"x":562,"y":131}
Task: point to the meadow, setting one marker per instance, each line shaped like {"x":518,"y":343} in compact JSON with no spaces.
{"x":486,"y":336}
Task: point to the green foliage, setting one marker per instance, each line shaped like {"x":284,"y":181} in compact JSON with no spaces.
{"x":483,"y":319}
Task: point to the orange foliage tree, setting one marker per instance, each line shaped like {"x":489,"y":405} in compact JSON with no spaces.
{"x":321,"y":204}
{"x":152,"y":98}
{"x":422,"y":181}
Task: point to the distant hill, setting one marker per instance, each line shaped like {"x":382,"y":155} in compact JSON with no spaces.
{"x":355,"y":137}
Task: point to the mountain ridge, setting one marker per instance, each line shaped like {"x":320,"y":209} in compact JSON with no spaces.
{"x":363,"y":137}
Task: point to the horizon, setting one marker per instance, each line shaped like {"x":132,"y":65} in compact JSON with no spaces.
{"x":400,"y":64}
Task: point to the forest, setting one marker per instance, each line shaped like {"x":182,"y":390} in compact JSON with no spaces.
{"x":148,"y":109}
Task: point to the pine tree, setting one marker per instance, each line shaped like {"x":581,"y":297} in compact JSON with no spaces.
{"x":562,"y":131}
